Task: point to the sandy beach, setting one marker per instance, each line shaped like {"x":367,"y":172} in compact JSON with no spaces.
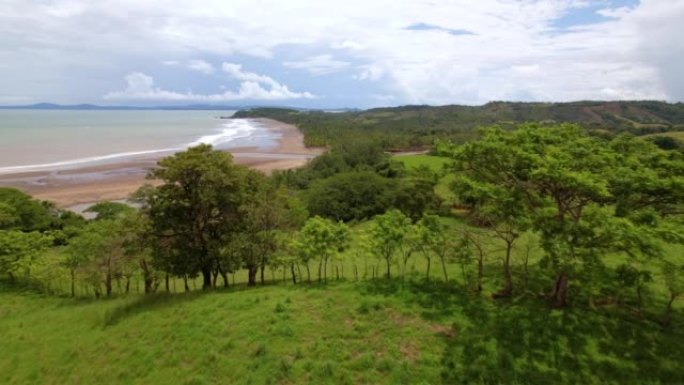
{"x":115,"y":181}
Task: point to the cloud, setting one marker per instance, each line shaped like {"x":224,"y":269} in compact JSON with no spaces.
{"x":140,"y":87}
{"x":319,"y":65}
{"x":201,"y":66}
{"x":513,"y":49}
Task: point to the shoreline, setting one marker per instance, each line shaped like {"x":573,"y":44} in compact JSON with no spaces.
{"x":117,"y":180}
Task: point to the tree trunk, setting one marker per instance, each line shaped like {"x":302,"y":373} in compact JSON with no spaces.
{"x":427,"y":273}
{"x":206,"y":278}
{"x":667,"y":317}
{"x":166,"y":283}
{"x":337,"y":273}
{"x":320,"y":270}
{"x":325,"y":270}
{"x":73,"y":283}
{"x":444,"y":269}
{"x":185,"y":282}
{"x":108,"y":283}
{"x":251,"y":275}
{"x":215,"y":274}
{"x":507,"y":290}
{"x":294,"y":276}
{"x":308,"y":273}
{"x":147,"y":277}
{"x":128,"y":284}
{"x":224,"y":276}
{"x":262,"y":268}
{"x":559,"y":294}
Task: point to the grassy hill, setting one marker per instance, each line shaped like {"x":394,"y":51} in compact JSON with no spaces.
{"x":417,"y":126}
{"x":353,"y":330}
{"x":345,"y":333}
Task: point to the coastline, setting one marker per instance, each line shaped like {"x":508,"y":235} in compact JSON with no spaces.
{"x":117,"y":180}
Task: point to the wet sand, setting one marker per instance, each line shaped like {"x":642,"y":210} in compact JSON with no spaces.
{"x":116,"y":181}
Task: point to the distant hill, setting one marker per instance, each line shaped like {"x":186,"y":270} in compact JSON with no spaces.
{"x":199,"y":107}
{"x":417,"y":126}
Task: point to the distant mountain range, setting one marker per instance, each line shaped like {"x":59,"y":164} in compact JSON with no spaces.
{"x":94,"y":107}
{"x":421,"y":124}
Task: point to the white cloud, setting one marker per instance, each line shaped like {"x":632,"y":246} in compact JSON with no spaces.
{"x":140,"y":87}
{"x":369,"y":72}
{"x":201,"y":66}
{"x":319,"y":65}
{"x":636,"y":50}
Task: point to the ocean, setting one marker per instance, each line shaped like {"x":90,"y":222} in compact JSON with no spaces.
{"x":34,"y":140}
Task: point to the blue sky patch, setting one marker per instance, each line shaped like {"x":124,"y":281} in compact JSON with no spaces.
{"x":430,"y":27}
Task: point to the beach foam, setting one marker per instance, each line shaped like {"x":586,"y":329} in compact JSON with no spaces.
{"x":232,"y":130}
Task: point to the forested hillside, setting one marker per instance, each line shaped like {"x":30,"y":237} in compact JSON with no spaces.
{"x":418,"y":126}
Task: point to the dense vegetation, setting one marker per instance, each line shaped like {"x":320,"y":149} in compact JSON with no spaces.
{"x":539,"y":254}
{"x":417,"y":127}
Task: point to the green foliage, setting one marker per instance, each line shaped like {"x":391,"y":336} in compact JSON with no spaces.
{"x":21,"y":212}
{"x":197,"y":205}
{"x":356,"y":155}
{"x":585,"y":196}
{"x":389,"y":234}
{"x":109,"y":210}
{"x":321,"y":239}
{"x":349,"y":196}
{"x":18,"y":251}
{"x":101,"y":252}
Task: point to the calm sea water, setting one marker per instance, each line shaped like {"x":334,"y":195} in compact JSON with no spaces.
{"x":44,"y":139}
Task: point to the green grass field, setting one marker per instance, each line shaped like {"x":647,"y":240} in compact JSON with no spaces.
{"x":375,"y":332}
{"x":370,"y":331}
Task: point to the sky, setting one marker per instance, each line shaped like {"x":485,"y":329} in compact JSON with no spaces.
{"x":339,"y":54}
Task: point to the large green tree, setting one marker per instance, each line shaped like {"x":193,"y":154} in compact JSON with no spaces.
{"x":18,"y":251}
{"x":323,"y":239}
{"x":196,"y":207}
{"x":389,"y":235}
{"x":350,"y":196}
{"x":585,"y":196}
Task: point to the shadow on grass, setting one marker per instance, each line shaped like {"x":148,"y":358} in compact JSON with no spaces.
{"x":148,"y":302}
{"x":524,"y":342}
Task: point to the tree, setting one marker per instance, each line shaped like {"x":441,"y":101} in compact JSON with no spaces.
{"x":99,"y":250}
{"x":26,"y":213}
{"x":109,"y":210}
{"x":416,"y":195}
{"x":8,"y":215}
{"x":433,"y":239}
{"x":196,"y":207}
{"x":585,"y":196}
{"x":388,"y":234}
{"x":496,"y":207}
{"x":349,"y":196}
{"x":18,"y":251}
{"x":322,"y":238}
{"x":674,"y":282}
{"x":268,"y":215}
